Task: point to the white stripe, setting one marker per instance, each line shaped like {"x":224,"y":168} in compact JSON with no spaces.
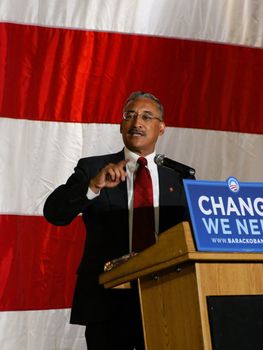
{"x":38,"y":156}
{"x":230,"y":21}
{"x":42,"y":330}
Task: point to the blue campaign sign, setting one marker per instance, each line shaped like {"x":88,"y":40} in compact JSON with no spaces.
{"x":226,"y":216}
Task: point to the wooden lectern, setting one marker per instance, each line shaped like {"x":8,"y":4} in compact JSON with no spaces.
{"x":174,"y":282}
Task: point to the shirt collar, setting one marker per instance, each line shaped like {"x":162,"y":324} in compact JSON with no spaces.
{"x":134,"y":156}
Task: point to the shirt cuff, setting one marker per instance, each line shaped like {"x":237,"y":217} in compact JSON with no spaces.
{"x":91,"y":195}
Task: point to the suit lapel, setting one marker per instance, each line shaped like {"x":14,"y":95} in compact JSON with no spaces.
{"x":118,"y":196}
{"x":170,"y":198}
{"x":168,"y":186}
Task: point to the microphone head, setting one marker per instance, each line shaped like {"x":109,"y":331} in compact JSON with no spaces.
{"x":158,"y":159}
{"x":180,"y":168}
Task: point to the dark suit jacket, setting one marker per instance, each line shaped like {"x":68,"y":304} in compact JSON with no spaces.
{"x":106,"y":221}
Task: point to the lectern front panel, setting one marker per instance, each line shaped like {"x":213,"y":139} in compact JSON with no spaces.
{"x":236,"y":322}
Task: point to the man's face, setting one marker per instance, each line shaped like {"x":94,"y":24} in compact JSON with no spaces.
{"x":140,"y":134}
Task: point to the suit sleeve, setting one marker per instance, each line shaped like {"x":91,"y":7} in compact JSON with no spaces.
{"x":68,"y":200}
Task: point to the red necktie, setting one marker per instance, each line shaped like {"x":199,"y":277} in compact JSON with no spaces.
{"x":143,"y":212}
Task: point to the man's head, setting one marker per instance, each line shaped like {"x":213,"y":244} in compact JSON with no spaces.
{"x":142,"y":122}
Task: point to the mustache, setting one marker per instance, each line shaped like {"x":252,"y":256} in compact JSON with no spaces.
{"x":137,"y":131}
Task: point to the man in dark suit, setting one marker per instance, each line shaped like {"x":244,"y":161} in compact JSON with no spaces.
{"x":101,"y":188}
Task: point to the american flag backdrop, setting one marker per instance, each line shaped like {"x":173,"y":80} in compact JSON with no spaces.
{"x":66,"y":67}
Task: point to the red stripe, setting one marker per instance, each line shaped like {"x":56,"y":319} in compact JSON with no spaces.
{"x":80,"y":76}
{"x":38,"y":262}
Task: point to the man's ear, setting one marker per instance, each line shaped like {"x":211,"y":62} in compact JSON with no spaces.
{"x":162,"y":128}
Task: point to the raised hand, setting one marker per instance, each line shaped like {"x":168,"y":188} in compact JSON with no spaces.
{"x":110,"y":176}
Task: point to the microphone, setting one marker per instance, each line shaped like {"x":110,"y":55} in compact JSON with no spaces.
{"x":180,"y":168}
